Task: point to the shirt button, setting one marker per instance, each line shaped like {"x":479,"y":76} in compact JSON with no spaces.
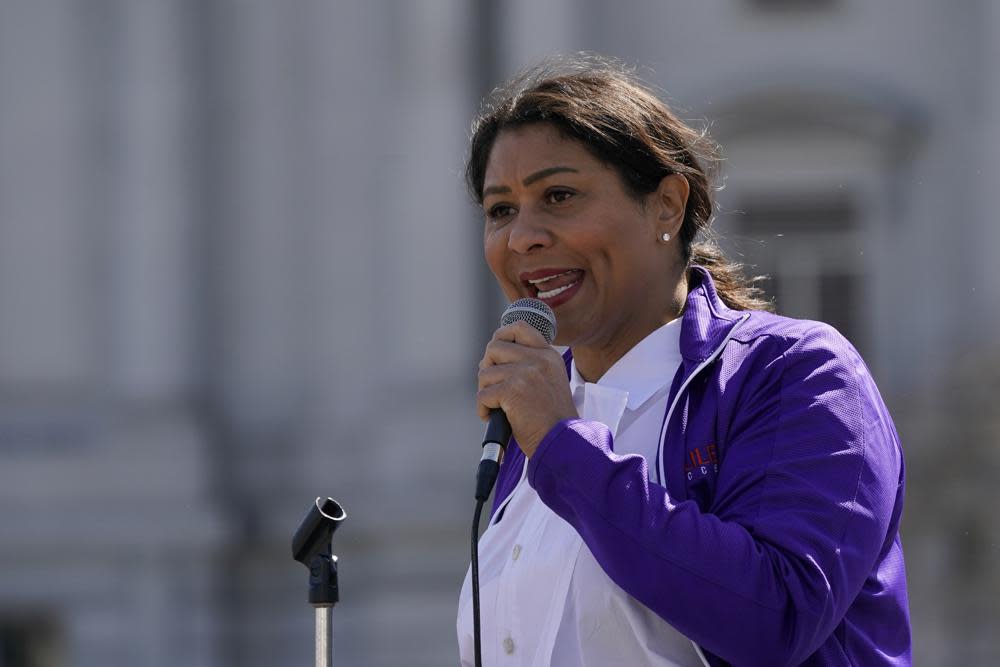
{"x":508,"y":645}
{"x":517,"y":552}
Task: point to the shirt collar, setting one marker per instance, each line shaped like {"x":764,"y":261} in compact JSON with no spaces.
{"x":644,"y":369}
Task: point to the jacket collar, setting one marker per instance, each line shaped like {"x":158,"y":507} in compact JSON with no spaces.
{"x":706,"y":321}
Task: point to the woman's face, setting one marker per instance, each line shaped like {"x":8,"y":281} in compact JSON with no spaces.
{"x":561,"y":227}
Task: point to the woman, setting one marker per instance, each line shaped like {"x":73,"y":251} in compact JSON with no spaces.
{"x":698,"y":481}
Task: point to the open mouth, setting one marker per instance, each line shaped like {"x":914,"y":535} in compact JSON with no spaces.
{"x":550,"y":284}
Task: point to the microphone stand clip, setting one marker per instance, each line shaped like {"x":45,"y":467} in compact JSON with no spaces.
{"x":312,"y":545}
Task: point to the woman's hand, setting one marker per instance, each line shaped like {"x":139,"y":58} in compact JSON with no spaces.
{"x":523,"y":376}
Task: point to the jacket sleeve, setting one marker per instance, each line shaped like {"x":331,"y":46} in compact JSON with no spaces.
{"x":800,"y":512}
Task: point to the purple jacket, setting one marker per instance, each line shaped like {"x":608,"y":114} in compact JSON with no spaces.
{"x":775,"y":537}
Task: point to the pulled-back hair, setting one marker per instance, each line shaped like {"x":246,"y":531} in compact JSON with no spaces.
{"x":625,"y":125}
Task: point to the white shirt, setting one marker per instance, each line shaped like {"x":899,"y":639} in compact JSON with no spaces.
{"x":544,"y":598}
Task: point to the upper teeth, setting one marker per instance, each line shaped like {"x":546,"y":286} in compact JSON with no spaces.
{"x":542,"y":280}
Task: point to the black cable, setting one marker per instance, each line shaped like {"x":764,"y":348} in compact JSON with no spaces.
{"x":475,"y":584}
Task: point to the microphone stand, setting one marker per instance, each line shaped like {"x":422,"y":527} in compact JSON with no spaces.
{"x":312,"y":546}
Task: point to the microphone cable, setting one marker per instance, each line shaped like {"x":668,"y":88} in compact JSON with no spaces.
{"x":476,"y":631}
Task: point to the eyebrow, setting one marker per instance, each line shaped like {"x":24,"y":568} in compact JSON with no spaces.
{"x":528,"y":180}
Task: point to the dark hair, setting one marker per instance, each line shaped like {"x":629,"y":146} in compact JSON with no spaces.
{"x":625,"y":125}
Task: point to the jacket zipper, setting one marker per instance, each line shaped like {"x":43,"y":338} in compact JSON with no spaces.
{"x":661,"y":467}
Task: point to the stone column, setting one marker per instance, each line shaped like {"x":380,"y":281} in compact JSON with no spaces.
{"x":157,"y":233}
{"x":50,"y":176}
{"x":986,"y":278}
{"x":255,"y":264}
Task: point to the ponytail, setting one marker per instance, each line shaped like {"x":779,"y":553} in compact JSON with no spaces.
{"x":736,"y":290}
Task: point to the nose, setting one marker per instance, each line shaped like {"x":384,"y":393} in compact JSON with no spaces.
{"x":528,"y":233}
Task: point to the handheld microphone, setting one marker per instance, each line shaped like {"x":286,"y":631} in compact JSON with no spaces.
{"x":540,"y":316}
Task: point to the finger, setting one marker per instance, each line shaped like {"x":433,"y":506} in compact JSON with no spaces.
{"x":505,"y":352}
{"x":503,"y":373}
{"x":489,"y":399}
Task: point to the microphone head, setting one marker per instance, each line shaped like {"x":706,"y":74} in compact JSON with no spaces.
{"x":534,"y":312}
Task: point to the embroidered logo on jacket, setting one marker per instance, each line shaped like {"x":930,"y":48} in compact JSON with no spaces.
{"x":701,"y":460}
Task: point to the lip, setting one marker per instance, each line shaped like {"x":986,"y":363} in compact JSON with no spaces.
{"x":561,"y":298}
{"x":548,"y":272}
{"x":542,"y":273}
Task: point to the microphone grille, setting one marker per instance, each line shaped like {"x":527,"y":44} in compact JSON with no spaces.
{"x":534,"y":312}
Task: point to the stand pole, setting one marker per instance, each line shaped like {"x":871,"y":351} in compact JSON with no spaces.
{"x":324,"y":636}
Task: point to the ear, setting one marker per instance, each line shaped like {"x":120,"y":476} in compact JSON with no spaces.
{"x":670,"y":200}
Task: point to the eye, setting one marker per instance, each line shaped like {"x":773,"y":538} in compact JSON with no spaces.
{"x":499,"y":211}
{"x":558,"y":195}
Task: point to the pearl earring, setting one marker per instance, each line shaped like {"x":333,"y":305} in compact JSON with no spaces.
{"x":665,"y":237}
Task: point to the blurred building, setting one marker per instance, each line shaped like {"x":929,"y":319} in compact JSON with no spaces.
{"x":238,"y":270}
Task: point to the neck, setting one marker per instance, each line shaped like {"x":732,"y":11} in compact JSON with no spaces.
{"x":594,"y":359}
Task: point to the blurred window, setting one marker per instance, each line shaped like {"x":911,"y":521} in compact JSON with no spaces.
{"x":809,"y":245}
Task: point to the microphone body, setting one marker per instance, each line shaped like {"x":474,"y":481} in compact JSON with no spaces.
{"x":494,"y":445}
{"x":540,"y":316}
